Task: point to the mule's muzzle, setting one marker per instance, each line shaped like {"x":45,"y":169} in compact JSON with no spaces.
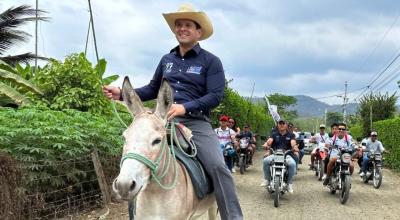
{"x":126,"y":189}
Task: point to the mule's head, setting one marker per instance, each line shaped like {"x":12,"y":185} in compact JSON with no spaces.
{"x":144,"y":136}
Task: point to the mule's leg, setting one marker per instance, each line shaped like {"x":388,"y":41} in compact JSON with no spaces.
{"x":213,"y":212}
{"x":212,"y":159}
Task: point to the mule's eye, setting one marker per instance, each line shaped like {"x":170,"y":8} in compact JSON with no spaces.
{"x":156,"y":141}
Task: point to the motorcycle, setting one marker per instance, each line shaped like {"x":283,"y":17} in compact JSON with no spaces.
{"x":279,"y":175}
{"x":244,"y":154}
{"x":319,"y":160}
{"x":374,"y":169}
{"x":341,"y":178}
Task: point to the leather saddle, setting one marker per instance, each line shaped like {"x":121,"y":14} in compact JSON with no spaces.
{"x":201,"y":181}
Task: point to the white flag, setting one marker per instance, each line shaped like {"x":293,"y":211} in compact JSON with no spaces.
{"x":273,"y":110}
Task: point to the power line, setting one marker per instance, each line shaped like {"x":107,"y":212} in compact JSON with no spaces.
{"x":379,"y":75}
{"x":330,"y":96}
{"x":376,"y":78}
{"x":380,"y":42}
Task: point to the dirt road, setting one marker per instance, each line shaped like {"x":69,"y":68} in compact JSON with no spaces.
{"x":365,"y":202}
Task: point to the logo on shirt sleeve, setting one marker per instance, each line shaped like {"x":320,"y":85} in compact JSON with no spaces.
{"x":194,"y":69}
{"x":168,"y":67}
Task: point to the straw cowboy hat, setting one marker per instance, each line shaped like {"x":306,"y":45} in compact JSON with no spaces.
{"x":186,"y":11}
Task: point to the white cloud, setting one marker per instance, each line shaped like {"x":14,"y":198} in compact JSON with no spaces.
{"x":255,"y":36}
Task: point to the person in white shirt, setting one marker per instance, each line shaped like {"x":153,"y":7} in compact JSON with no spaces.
{"x":338,"y":141}
{"x":226,"y":138}
{"x":372,"y":145}
{"x":318,"y":139}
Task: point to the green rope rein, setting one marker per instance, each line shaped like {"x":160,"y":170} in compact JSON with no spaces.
{"x":154,"y":166}
{"x":116,"y":113}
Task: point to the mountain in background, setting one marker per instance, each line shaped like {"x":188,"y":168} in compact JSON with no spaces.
{"x":309,"y":107}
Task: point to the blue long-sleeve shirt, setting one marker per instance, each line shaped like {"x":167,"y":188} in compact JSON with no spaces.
{"x":197,"y":80}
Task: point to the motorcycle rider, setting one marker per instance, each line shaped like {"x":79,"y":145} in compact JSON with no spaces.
{"x":246,"y":133}
{"x":299,"y":136}
{"x":334,"y":131}
{"x":281,"y":138}
{"x":374,"y":145}
{"x":321,"y":137}
{"x":338,"y":141}
{"x":225,"y":135}
{"x":359,"y":155}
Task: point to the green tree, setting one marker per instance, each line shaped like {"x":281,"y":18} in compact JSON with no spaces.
{"x":333,"y":117}
{"x":283,"y":102}
{"x":243,"y":111}
{"x":383,"y":107}
{"x":10,"y":21}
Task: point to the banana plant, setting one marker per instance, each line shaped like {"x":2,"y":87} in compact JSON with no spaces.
{"x":101,"y":69}
{"x":14,"y":88}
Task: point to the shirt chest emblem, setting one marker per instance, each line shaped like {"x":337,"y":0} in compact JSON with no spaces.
{"x":194,"y":69}
{"x":168,"y":67}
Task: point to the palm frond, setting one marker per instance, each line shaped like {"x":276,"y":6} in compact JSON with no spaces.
{"x":13,"y":18}
{"x":14,"y":23}
{"x":21,"y":58}
{"x":20,"y":11}
{"x":10,"y":38}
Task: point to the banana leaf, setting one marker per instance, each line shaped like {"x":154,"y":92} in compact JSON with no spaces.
{"x":13,"y":94}
{"x":110,"y":79}
{"x":19,"y":81}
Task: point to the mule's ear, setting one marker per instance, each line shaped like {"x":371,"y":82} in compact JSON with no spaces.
{"x":130,"y":98}
{"x":164,"y":99}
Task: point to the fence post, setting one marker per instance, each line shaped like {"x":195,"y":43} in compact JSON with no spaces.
{"x":101,"y":178}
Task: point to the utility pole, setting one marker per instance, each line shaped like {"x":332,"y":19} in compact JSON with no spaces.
{"x":345,"y":99}
{"x":251,"y":101}
{"x":94,"y":35}
{"x":326,"y":112}
{"x":370,"y":116}
{"x":36,"y":36}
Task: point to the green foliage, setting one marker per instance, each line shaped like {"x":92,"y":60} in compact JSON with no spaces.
{"x":38,"y":134}
{"x":283,"y":102}
{"x":333,"y":117}
{"x":383,"y":107}
{"x":356,"y":132}
{"x":32,"y":135}
{"x":244,"y":112}
{"x":388,"y":134}
{"x":74,"y":84}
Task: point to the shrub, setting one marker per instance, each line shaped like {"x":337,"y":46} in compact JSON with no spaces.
{"x":74,"y":84}
{"x":388,"y":135}
{"x":356,"y":132}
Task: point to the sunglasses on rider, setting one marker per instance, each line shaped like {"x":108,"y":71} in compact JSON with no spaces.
{"x":341,"y":129}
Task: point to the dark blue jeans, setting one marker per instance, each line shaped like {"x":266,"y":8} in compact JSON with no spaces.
{"x":301,"y":155}
{"x":229,"y":162}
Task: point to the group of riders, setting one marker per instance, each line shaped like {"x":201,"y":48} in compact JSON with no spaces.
{"x":232,"y":140}
{"x":289,"y":139}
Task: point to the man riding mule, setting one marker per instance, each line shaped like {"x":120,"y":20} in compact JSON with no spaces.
{"x":197,"y":80}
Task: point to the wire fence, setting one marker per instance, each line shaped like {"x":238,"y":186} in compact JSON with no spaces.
{"x":54,"y":189}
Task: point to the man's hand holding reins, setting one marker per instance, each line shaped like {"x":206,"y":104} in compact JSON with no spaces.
{"x":112,"y":92}
{"x":176,"y":110}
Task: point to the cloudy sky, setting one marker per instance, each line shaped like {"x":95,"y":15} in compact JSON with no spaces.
{"x":292,"y":47}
